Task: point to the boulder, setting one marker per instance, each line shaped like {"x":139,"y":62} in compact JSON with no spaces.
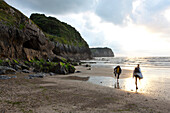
{"x":7,"y":70}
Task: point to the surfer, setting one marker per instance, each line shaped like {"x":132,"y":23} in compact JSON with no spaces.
{"x":117,"y":71}
{"x":137,"y":74}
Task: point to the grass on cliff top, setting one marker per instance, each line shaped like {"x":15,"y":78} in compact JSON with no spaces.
{"x":58,"y":31}
{"x":11,"y":16}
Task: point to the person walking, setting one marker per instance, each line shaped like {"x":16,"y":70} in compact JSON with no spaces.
{"x":137,"y":74}
{"x":117,"y":71}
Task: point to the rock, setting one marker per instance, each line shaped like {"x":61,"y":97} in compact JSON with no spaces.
{"x":22,"y":39}
{"x":7,"y":70}
{"x":58,"y":59}
{"x":17,"y":67}
{"x":4,"y":77}
{"x":78,"y":71}
{"x":23,"y":66}
{"x":87,"y":65}
{"x":25,"y":71}
{"x":63,"y":70}
{"x":71,"y":69}
{"x":102,"y":52}
{"x":89,"y":69}
{"x":39,"y":75}
{"x":51,"y":74}
{"x":74,"y":48}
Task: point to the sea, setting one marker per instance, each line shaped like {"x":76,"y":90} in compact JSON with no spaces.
{"x":155,"y":70}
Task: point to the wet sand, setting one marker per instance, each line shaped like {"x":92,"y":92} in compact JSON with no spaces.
{"x":72,"y":93}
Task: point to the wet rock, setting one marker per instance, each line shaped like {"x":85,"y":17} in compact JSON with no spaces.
{"x":17,"y":67}
{"x":4,"y":77}
{"x":25,"y":71}
{"x":89,"y":69}
{"x":7,"y":70}
{"x":23,"y":66}
{"x":71,"y":69}
{"x":78,"y":71}
{"x":39,"y":75}
{"x":51,"y":74}
{"x":63,"y":70}
{"x":87,"y":65}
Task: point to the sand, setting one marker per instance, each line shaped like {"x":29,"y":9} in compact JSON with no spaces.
{"x":73,"y":94}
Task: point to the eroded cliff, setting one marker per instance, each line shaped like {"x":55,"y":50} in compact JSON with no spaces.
{"x":68,"y":41}
{"x":20,"y":38}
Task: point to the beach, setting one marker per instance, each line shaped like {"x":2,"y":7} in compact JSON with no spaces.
{"x":74,"y":93}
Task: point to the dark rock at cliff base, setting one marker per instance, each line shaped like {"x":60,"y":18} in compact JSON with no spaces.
{"x":102,"y":52}
{"x":4,"y":77}
{"x":7,"y":70}
{"x":39,"y":75}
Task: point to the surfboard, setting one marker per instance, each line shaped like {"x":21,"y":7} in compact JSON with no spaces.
{"x":139,"y":74}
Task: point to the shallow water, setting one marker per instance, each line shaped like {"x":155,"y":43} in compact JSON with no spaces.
{"x":156,"y":88}
{"x":156,"y":72}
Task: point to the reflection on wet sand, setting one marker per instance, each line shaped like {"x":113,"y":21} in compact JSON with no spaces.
{"x":124,"y":84}
{"x":117,"y":85}
{"x":149,"y":86}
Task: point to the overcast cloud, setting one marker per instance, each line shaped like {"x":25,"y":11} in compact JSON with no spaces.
{"x":55,"y":6}
{"x":114,"y":11}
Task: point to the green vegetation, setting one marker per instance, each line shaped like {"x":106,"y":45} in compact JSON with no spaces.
{"x":11,"y":16}
{"x":58,"y":31}
{"x":16,"y":61}
{"x":45,"y":66}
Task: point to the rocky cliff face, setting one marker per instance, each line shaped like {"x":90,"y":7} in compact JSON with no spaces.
{"x":68,"y":41}
{"x":102,"y":52}
{"x":20,"y":38}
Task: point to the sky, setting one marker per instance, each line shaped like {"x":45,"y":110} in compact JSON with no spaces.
{"x":129,"y":27}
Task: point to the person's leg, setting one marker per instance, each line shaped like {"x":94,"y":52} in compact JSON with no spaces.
{"x":118,"y":75}
{"x":136,"y":82}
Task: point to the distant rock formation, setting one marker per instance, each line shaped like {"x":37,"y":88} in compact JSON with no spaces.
{"x":102,"y":52}
{"x":20,"y":38}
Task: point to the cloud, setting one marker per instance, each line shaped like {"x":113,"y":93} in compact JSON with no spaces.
{"x":114,"y":11}
{"x":55,"y":6}
{"x":152,"y":13}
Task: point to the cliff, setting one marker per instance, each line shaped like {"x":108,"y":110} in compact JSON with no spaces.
{"x":20,"y":38}
{"x":102,"y":52}
{"x":68,"y":41}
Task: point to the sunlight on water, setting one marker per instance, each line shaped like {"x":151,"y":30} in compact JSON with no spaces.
{"x":156,"y":72}
{"x":124,"y":84}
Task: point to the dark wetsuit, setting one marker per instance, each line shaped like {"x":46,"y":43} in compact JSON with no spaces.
{"x":117,"y":71}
